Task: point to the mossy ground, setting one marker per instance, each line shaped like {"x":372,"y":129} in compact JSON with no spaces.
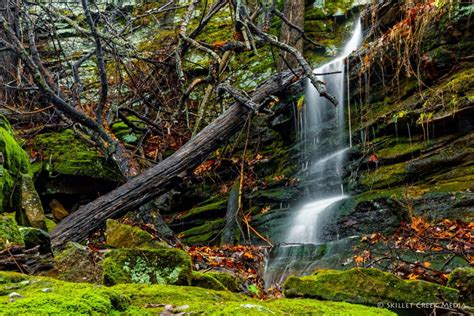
{"x":46,"y":296}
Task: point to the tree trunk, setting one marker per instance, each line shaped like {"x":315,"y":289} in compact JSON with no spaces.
{"x":294,"y":13}
{"x":8,"y":59}
{"x":165,"y":175}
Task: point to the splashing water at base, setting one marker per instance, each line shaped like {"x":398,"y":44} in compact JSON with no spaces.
{"x":304,"y":229}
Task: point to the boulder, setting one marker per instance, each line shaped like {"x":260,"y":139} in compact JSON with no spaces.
{"x":9,"y":233}
{"x":206,"y":281}
{"x":58,"y":210}
{"x":77,"y":264}
{"x":31,"y":210}
{"x":226,"y":279}
{"x":152,"y":266}
{"x":462,"y":279}
{"x":367,"y":286}
{"x":126,"y":236}
{"x":36,"y":237}
{"x":13,"y":162}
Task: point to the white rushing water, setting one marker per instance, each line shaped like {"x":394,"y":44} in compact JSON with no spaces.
{"x":323,"y":148}
{"x":323,"y":144}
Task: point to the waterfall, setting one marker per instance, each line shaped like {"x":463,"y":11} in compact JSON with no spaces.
{"x":323,"y":147}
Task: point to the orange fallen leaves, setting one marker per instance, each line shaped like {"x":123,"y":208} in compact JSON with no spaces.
{"x":411,"y":251}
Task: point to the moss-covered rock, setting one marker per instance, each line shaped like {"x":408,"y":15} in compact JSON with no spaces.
{"x":65,"y":153}
{"x":152,"y":266}
{"x":463,"y":280}
{"x":46,"y":296}
{"x":126,"y":236}
{"x":36,"y":237}
{"x":206,"y":281}
{"x":367,"y":286}
{"x":77,"y":264}
{"x":13,"y":162}
{"x":9,"y":233}
{"x":226,"y":279}
{"x":203,"y":234}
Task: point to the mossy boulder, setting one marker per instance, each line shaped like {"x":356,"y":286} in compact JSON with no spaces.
{"x":206,"y":281}
{"x":226,"y":279}
{"x":13,"y":162}
{"x":46,"y":296}
{"x":463,"y":280}
{"x":126,"y":236}
{"x":77,"y":264}
{"x":152,"y":266}
{"x":367,"y":286}
{"x":36,"y":237}
{"x":65,"y":153}
{"x":9,"y":232}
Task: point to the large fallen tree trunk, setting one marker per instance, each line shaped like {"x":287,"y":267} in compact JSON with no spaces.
{"x":162,"y":177}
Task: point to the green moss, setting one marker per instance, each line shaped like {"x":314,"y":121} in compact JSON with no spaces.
{"x":43,"y":296}
{"x":15,"y":163}
{"x":281,"y":194}
{"x":384,"y":176}
{"x":366,"y":286}
{"x":50,"y":224}
{"x":206,"y":281}
{"x":402,"y":147}
{"x":152,"y":266}
{"x":202,"y":234}
{"x":65,"y":153}
{"x":125,"y":236}
{"x":63,"y":298}
{"x":9,"y":233}
{"x":199,"y":211}
{"x":15,"y":158}
{"x":226,"y":279}
{"x":76,"y":264}
{"x":123,"y":132}
{"x":462,"y":279}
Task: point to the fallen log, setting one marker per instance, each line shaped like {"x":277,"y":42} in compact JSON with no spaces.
{"x":167,"y":174}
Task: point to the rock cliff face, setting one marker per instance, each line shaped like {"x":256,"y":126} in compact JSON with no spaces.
{"x":412,"y":107}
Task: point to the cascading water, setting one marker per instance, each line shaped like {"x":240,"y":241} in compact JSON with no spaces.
{"x":323,"y":149}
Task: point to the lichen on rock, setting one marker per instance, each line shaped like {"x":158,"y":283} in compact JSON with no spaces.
{"x":151,"y":266}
